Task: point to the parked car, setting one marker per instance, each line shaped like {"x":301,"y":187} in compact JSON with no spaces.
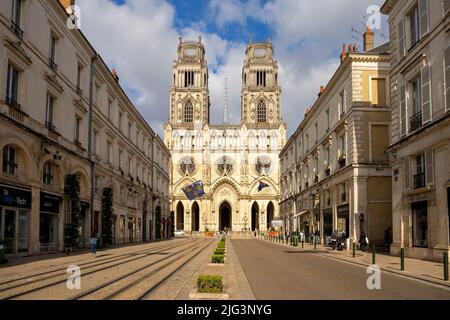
{"x":180,"y":234}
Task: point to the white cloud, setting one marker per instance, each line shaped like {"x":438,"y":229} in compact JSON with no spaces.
{"x":140,"y":40}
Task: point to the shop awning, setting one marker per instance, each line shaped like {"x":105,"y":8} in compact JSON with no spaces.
{"x":300,"y":213}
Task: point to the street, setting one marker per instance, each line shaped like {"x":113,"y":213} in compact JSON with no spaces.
{"x":279,"y":273}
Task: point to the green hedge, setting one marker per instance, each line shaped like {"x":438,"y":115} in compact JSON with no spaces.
{"x":217,"y":258}
{"x":219,"y":251}
{"x":221,"y":245}
{"x":222,"y":240}
{"x":209,"y":284}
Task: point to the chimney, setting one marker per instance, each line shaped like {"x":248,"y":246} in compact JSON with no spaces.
{"x":322,"y":90}
{"x":369,"y":40}
{"x":67,"y":3}
{"x":344,"y":53}
{"x":114,"y":74}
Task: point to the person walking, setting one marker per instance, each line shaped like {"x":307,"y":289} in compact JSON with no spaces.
{"x":363,"y":242}
{"x":388,"y":239}
{"x":93,"y":243}
{"x":288,"y":236}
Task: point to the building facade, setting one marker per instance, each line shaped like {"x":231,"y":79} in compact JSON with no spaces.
{"x":60,"y":138}
{"x":231,"y":160}
{"x":420,"y":149}
{"x":334,"y":171}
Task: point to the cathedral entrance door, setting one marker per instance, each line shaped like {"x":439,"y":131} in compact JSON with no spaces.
{"x":255,"y":216}
{"x":225,"y":216}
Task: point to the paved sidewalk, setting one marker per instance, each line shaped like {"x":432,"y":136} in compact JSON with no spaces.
{"x":234,"y":280}
{"x":428,"y":271}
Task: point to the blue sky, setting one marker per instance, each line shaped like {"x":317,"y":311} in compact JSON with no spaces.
{"x":139,"y":38}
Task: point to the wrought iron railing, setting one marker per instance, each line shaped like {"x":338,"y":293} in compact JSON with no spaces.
{"x":16,"y":29}
{"x":419,"y":180}
{"x":415,"y":122}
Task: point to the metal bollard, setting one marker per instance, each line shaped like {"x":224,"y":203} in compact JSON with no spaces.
{"x":315,"y":244}
{"x":303,"y":243}
{"x":402,"y":259}
{"x":354,"y":249}
{"x":373,"y":254}
{"x":445,"y":266}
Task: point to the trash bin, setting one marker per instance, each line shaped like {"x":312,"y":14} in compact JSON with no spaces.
{"x":295,"y":241}
{"x":2,"y":253}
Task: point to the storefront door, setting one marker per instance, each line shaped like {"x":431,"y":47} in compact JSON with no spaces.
{"x":9,"y":233}
{"x":15,"y":230}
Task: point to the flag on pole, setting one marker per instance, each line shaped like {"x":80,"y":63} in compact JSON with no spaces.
{"x":194,"y":190}
{"x":261,"y":186}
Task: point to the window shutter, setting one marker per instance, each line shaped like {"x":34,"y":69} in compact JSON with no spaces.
{"x":423,"y":17}
{"x":429,"y":174}
{"x":447,"y":77}
{"x":403,"y":111}
{"x":446,"y":6}
{"x":407,"y":173}
{"x":401,"y":37}
{"x":426,"y":93}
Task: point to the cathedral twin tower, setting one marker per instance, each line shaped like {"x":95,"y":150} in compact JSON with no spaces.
{"x":231,"y":160}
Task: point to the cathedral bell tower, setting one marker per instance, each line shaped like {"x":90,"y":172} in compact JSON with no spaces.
{"x":189,"y":94}
{"x":260,"y":95}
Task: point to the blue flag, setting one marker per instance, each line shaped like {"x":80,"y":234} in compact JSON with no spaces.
{"x":194,"y":190}
{"x":262,"y":185}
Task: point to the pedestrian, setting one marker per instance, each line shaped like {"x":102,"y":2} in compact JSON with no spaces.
{"x":388,"y":239}
{"x":363,"y":242}
{"x":288,"y":235}
{"x":93,"y":244}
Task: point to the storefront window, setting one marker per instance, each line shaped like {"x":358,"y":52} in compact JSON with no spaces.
{"x":122,"y":230}
{"x":420,"y":224}
{"x":22,"y":239}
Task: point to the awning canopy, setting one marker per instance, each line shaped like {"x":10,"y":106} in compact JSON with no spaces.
{"x":300,"y":213}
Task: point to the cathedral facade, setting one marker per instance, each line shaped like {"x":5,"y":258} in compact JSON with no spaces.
{"x":232,"y":160}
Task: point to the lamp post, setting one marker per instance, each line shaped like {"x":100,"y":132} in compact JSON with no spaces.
{"x":245,"y":222}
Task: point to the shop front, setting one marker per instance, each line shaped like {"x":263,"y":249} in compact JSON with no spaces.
{"x":343,"y":219}
{"x":131,"y":229}
{"x":15,"y":208}
{"x":48,"y":221}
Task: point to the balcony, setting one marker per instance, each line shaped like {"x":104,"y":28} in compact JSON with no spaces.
{"x":419,"y":181}
{"x":16,"y":29}
{"x":342,"y":162}
{"x":13,"y":103}
{"x":415,"y":122}
{"x":52,"y":64}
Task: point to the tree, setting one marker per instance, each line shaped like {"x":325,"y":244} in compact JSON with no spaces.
{"x":72,"y":228}
{"x":107,"y":216}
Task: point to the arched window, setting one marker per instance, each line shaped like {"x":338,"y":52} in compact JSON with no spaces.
{"x":188,"y":112}
{"x":261,"y":112}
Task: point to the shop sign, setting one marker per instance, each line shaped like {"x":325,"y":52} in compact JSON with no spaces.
{"x":50,"y":203}
{"x":13,"y":197}
{"x":343,"y":210}
{"x":277,"y":223}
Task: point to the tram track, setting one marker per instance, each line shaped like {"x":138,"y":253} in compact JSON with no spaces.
{"x":89,"y":262}
{"x":62,"y":278}
{"x":136,"y":281}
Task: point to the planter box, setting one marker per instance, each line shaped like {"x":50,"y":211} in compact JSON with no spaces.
{"x":209,"y":296}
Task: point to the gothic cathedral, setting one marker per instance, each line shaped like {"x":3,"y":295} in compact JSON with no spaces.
{"x":232,"y":160}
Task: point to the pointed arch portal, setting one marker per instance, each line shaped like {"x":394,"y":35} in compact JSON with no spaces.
{"x":225,"y":216}
{"x":195,"y":223}
{"x":255,"y":216}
